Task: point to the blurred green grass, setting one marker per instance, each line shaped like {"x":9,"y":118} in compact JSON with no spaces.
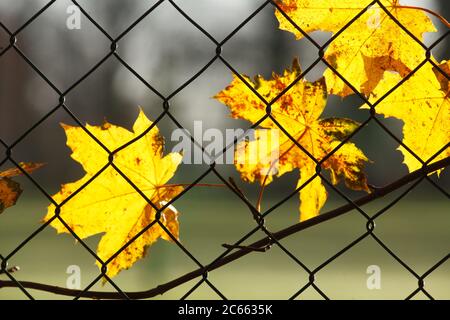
{"x":417,"y":230}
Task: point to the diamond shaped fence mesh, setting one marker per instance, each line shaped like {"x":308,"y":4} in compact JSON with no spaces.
{"x":238,"y":249}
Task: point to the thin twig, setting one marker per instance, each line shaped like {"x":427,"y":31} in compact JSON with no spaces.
{"x":10,"y":270}
{"x":437,"y":15}
{"x":272,"y":164}
{"x":161,"y":289}
{"x":232,"y":246}
{"x":256,"y":216}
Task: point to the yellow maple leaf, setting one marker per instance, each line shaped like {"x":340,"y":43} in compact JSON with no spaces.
{"x":109,"y":204}
{"x":422,"y":103}
{"x":10,"y":190}
{"x":298,"y":111}
{"x":369,"y":46}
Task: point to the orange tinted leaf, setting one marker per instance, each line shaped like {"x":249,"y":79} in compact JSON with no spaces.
{"x":109,"y":204}
{"x":26,"y":166}
{"x":10,"y":190}
{"x":298,"y":111}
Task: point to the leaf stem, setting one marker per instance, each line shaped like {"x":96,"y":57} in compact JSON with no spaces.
{"x":263,"y":185}
{"x":437,"y":15}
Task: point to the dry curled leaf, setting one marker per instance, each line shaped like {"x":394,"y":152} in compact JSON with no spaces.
{"x":298,"y":111}
{"x":10,"y":190}
{"x":422,"y":103}
{"x":109,"y":204}
{"x":371,"y":45}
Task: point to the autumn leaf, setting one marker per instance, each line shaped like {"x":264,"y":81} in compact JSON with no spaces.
{"x":10,"y":190}
{"x":422,"y":103}
{"x":298,"y":111}
{"x":371,"y":45}
{"x":109,"y":204}
{"x":443,"y":68}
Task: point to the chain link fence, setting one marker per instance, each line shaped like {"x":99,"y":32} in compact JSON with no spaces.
{"x":237,"y":249}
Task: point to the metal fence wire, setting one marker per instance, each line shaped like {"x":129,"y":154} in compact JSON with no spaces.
{"x":237,"y":250}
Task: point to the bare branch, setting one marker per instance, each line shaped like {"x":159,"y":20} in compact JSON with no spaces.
{"x":263,"y":243}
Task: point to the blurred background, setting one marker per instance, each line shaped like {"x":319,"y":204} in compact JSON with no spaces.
{"x":166,"y":50}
